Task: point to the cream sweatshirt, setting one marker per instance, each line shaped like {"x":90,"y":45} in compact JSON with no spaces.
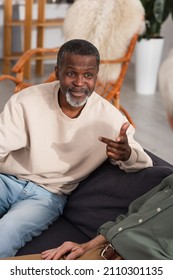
{"x":38,"y":142}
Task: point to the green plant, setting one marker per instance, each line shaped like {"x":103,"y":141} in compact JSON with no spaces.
{"x":156,"y":12}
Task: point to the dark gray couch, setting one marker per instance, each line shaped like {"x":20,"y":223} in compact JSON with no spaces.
{"x":105,"y":194}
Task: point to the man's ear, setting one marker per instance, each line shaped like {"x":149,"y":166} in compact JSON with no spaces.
{"x":57,"y":72}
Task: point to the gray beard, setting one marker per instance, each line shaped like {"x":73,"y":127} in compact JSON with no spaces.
{"x":75,"y":103}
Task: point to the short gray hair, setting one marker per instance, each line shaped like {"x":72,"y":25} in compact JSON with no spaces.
{"x":78,"y":47}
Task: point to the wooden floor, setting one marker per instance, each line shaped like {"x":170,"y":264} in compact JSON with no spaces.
{"x":148,"y":112}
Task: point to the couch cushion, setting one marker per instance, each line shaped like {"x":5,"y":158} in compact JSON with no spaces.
{"x":107,"y":192}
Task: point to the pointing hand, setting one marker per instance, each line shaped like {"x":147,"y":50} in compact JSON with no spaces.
{"x":119,"y":148}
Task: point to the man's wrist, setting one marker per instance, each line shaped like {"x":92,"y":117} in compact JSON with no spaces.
{"x":99,"y":240}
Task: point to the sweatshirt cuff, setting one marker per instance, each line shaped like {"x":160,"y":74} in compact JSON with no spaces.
{"x":131,"y":161}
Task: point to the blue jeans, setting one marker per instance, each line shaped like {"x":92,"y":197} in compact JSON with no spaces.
{"x":26,"y":209}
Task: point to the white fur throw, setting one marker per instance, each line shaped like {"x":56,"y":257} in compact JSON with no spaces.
{"x":109,"y":25}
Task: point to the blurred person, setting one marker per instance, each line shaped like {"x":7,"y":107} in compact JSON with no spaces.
{"x":165,"y":80}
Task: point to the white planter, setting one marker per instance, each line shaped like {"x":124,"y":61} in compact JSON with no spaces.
{"x":148,"y":55}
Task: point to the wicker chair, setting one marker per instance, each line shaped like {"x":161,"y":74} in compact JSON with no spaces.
{"x":17,"y":71}
{"x":109,"y":90}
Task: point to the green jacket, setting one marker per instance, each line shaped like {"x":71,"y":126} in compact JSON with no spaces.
{"x":146,"y":231}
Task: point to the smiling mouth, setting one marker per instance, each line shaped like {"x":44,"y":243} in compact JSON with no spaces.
{"x":77,"y":93}
{"x":77,"y":98}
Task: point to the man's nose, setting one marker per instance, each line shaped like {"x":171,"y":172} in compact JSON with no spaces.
{"x":79,"y":80}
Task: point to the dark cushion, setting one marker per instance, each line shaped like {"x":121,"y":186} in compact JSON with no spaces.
{"x":107,"y":192}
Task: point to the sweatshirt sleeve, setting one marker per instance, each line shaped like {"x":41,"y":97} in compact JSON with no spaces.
{"x":13,"y":132}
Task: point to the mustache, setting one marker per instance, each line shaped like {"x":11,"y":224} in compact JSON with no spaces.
{"x":74,"y":89}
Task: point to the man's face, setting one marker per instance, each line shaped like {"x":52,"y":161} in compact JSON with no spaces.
{"x":77,"y":76}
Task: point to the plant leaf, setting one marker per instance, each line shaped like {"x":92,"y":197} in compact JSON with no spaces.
{"x":158,"y":10}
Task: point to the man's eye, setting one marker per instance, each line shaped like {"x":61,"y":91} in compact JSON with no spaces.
{"x":70,"y":74}
{"x":88,"y":75}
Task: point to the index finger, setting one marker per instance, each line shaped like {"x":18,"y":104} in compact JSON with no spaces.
{"x":105,"y":140}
